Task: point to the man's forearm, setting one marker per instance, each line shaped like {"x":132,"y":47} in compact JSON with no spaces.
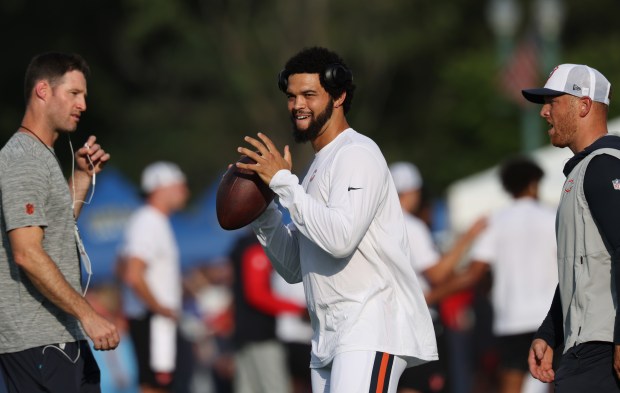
{"x":47,"y":278}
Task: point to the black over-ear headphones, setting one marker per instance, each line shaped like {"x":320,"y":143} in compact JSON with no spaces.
{"x":335,"y":75}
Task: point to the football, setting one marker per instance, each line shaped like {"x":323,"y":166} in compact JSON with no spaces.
{"x":241,"y":196}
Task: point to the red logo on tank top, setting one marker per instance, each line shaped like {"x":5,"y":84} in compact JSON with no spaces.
{"x":29,"y":208}
{"x":569,"y":185}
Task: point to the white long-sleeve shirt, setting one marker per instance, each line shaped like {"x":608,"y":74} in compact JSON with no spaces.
{"x":348,"y":244}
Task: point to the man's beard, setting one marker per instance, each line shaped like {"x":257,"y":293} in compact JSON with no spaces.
{"x":315,"y":126}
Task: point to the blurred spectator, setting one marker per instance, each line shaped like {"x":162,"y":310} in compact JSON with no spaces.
{"x":295,"y":331}
{"x":208,"y":321}
{"x":432,"y":269}
{"x":519,"y":248}
{"x":150,"y":270}
{"x":260,"y":361}
{"x":119,"y":372}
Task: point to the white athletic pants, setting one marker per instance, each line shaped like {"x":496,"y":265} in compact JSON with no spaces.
{"x":359,"y":372}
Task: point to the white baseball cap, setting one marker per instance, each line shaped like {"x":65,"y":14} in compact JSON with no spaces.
{"x":161,"y":174}
{"x":406,"y":176}
{"x":575,"y":79}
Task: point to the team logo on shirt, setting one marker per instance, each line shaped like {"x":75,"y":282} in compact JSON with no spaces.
{"x":616,"y":184}
{"x":313,"y":174}
{"x":568,"y":186}
{"x":29,"y":209}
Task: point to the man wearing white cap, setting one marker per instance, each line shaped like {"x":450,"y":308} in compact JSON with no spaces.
{"x":429,"y":264}
{"x":150,"y":270}
{"x":431,"y":267}
{"x":584,"y":312}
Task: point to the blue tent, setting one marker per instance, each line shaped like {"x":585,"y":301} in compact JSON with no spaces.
{"x":201,"y":239}
{"x":103,"y":221}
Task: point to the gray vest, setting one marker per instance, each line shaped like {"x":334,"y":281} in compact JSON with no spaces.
{"x":587,"y":287}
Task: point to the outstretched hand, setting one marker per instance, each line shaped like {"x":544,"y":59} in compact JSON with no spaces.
{"x":477,"y":227}
{"x":268,"y":159}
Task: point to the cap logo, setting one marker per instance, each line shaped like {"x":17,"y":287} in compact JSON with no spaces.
{"x":552,"y":72}
{"x":577,"y":88}
{"x":616,"y":184}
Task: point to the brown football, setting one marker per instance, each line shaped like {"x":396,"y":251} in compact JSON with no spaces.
{"x":241,"y":196}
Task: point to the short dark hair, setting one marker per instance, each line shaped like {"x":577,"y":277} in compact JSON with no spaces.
{"x":315,"y":60}
{"x":52,"y":66}
{"x":518,"y":173}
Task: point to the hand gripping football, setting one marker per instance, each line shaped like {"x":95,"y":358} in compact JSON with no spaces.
{"x":242,"y":196}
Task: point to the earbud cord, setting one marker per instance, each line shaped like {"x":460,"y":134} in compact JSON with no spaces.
{"x":81,"y":249}
{"x":63,"y":352}
{"x":78,"y":238}
{"x":92,"y":190}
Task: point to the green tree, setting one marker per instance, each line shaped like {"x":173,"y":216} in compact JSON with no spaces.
{"x":185,"y":80}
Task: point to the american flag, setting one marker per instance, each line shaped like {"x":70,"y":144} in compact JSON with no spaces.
{"x":521,"y":71}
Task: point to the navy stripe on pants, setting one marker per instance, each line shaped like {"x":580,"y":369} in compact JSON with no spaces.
{"x":381,"y":372}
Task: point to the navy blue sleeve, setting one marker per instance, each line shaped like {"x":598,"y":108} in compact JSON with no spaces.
{"x":603,"y":196}
{"x":551,"y":329}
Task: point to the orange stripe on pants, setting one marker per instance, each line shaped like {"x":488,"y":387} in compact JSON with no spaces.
{"x":382,"y":372}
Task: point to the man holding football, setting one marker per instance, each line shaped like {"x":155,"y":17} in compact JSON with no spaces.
{"x":347,"y":241}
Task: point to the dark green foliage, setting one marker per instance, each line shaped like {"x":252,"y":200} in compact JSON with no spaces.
{"x":185,"y":80}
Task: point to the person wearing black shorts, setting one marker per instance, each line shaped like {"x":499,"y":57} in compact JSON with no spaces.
{"x":150,"y":269}
{"x":44,"y":318}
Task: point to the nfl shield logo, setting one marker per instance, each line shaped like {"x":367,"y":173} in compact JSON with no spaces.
{"x":616,"y":184}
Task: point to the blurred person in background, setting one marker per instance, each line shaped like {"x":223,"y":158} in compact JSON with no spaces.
{"x":518,"y":246}
{"x":45,"y":320}
{"x":119,"y":373}
{"x":208,"y":322}
{"x":260,"y":358}
{"x":432,"y":269}
{"x":584,"y":315}
{"x":149,"y":267}
{"x":295,"y":331}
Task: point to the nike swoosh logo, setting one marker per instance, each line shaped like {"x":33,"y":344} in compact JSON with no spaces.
{"x":354,"y":188}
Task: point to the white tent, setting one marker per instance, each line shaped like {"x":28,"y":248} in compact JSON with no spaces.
{"x":480,"y":194}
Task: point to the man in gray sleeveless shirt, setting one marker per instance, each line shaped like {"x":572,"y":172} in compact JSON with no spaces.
{"x":583,"y":320}
{"x":44,"y":318}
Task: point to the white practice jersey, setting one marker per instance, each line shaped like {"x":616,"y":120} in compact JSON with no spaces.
{"x":149,"y":237}
{"x":348,"y":244}
{"x":519,"y":244}
{"x":424,"y":254}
